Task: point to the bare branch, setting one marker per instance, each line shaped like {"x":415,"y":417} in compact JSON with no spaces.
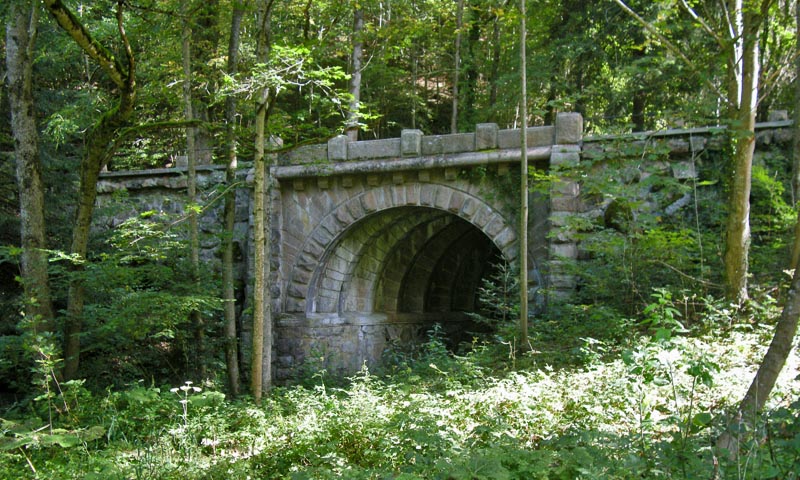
{"x":703,"y":23}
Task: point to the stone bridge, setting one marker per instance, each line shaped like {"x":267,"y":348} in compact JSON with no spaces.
{"x":375,"y":241}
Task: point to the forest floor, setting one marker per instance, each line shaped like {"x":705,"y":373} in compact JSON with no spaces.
{"x":649,"y":409}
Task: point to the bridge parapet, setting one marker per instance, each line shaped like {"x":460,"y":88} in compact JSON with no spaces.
{"x":412,"y":143}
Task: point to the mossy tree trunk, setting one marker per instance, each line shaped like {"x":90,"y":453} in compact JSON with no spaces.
{"x":261,"y":364}
{"x":228,"y":294}
{"x":99,"y":141}
{"x":20,"y":42}
{"x":198,"y":355}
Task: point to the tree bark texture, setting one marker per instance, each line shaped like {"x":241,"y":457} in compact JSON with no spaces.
{"x":737,"y":230}
{"x":229,"y":215}
{"x":198,"y":355}
{"x":20,"y":41}
{"x":355,"y":75}
{"x":457,"y":65}
{"x":523,"y":216}
{"x":261,"y":367}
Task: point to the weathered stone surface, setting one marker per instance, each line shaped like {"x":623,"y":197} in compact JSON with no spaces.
{"x":683,"y":170}
{"x":373,"y":149}
{"x":537,"y":137}
{"x":486,"y":136}
{"x":569,"y":128}
{"x":411,"y":143}
{"x":565,"y":156}
{"x":337,"y":148}
{"x":564,"y":250}
{"x":444,"y":144}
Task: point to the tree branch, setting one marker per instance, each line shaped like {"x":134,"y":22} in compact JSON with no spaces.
{"x":75,"y":29}
{"x":703,"y":23}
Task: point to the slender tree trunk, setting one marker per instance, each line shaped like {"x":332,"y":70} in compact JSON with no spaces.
{"x":494,"y":75}
{"x":737,"y":232}
{"x":191,"y":181}
{"x":261,"y":367}
{"x":457,"y":65}
{"x":98,"y":139}
{"x":796,"y":138}
{"x":228,"y":295}
{"x":20,"y":42}
{"x":355,"y":75}
{"x":639,"y":101}
{"x":523,"y":216}
{"x":204,"y":42}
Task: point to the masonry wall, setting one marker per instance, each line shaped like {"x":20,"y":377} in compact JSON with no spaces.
{"x":354,"y":223}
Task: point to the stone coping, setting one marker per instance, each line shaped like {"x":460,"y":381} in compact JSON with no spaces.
{"x":416,"y":163}
{"x":673,"y":132}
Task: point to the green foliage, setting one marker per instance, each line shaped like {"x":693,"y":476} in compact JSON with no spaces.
{"x":646,"y":414}
{"x":138,"y":321}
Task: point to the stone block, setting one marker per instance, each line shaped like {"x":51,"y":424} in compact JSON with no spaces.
{"x":370,"y":149}
{"x":564,"y":250}
{"x":783,"y":135}
{"x":373,"y":180}
{"x":486,"y":136}
{"x":560,"y":219}
{"x":537,"y":137}
{"x":569,"y":128}
{"x":683,"y":170}
{"x":565,"y":156}
{"x":505,"y":238}
{"x":778,"y":116}
{"x":337,"y":148}
{"x":441,"y":144}
{"x":563,"y":187}
{"x":411,"y":143}
{"x":424,"y":175}
{"x":564,"y":203}
{"x":560,"y":281}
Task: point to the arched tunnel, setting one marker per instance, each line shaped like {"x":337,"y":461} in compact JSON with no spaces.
{"x":389,"y":277}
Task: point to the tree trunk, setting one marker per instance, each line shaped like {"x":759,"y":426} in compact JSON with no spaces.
{"x":228,"y":294}
{"x":204,"y":42}
{"x":261,"y":366}
{"x":494,"y":75}
{"x":796,"y":128}
{"x":198,"y":353}
{"x":796,"y":138}
{"x":770,"y":367}
{"x":457,"y":65}
{"x":98,"y":139}
{"x":20,"y":41}
{"x":737,"y":231}
{"x":523,"y":216}
{"x":355,"y":75}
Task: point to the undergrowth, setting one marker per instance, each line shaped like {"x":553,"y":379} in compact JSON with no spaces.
{"x":649,"y":409}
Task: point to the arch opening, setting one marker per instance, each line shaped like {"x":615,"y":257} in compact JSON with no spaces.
{"x":400,"y":271}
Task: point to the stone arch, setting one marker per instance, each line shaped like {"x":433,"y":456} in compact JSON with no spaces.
{"x":349,"y":260}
